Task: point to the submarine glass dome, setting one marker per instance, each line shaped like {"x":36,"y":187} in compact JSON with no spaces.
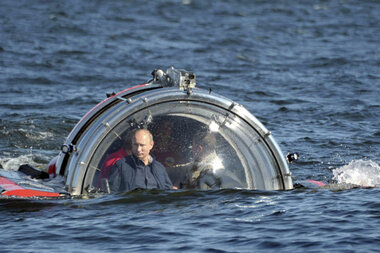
{"x":242,"y":152}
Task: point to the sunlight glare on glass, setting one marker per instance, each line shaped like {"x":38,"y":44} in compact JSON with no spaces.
{"x":213,"y":127}
{"x":217,"y":164}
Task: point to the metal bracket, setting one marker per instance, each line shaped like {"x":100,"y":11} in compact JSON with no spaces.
{"x":173,"y":77}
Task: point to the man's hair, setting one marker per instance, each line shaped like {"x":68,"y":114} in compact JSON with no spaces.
{"x":146,"y":131}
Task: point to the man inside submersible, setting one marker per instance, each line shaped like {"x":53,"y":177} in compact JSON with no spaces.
{"x":139,"y":170}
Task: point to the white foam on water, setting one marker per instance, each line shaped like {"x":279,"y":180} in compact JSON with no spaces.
{"x":13,"y":163}
{"x":36,"y":135}
{"x":365,"y":173}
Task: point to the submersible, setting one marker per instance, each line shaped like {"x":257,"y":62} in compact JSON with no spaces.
{"x":171,"y":103}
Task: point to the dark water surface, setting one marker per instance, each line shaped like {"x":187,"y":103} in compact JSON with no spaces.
{"x":309,"y":70}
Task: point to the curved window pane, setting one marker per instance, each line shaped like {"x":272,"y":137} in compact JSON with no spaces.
{"x":201,"y":146}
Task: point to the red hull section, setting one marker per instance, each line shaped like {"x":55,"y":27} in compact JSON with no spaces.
{"x":319,"y":183}
{"x":13,"y":189}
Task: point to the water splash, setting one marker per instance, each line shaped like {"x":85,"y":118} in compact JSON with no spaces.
{"x":13,"y":163}
{"x":358,"y":172}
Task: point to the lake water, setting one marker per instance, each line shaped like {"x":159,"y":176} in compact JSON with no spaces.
{"x":309,"y":70}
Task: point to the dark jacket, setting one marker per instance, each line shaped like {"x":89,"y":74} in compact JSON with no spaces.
{"x":124,"y":176}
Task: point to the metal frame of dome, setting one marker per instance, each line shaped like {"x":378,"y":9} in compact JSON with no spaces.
{"x":173,"y":85}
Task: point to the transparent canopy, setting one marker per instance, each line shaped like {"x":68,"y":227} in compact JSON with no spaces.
{"x":204,"y":141}
{"x":240,"y":159}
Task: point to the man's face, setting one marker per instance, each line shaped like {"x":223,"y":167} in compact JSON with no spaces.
{"x":141,"y":145}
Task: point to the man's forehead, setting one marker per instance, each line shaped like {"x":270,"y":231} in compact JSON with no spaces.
{"x":140,"y":137}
